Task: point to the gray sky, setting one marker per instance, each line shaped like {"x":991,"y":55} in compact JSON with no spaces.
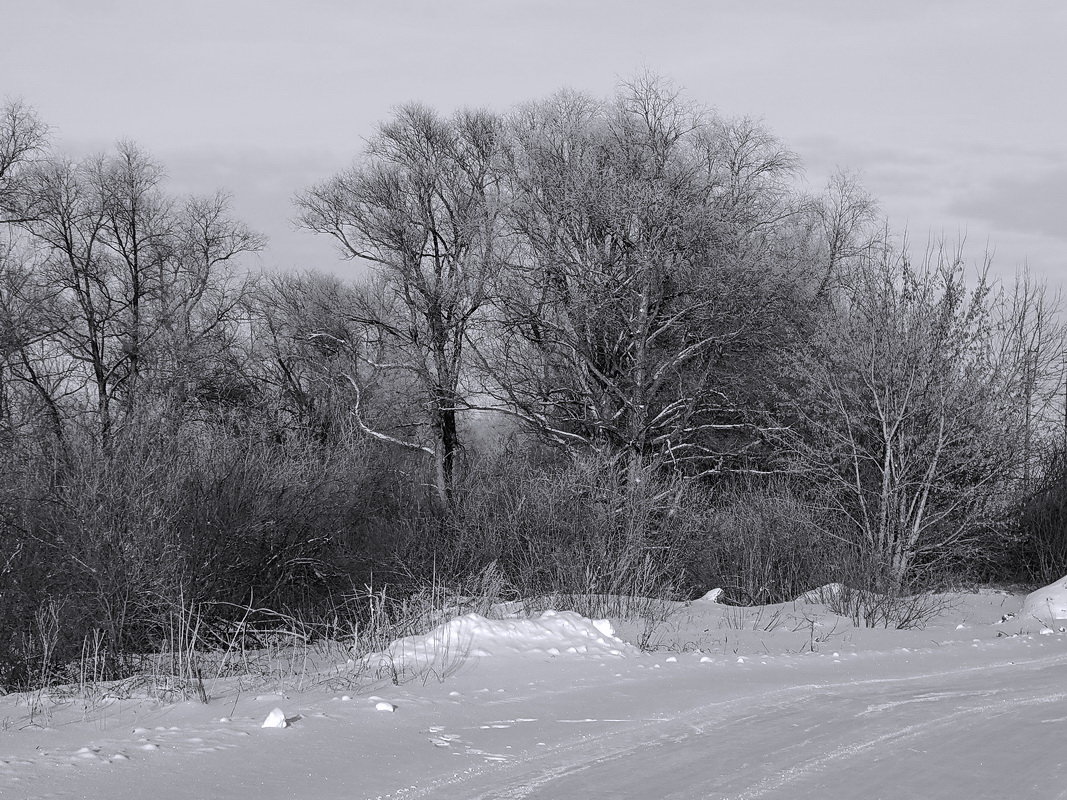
{"x":952,"y":111}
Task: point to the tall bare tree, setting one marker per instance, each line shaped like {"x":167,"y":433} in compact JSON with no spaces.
{"x":129,"y":275}
{"x":23,"y":139}
{"x":422,"y":207}
{"x":650,"y":269}
{"x":306,"y":347}
{"x":1031,"y":336}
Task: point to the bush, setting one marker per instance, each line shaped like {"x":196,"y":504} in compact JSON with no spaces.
{"x":571,"y":528}
{"x":893,"y":608}
{"x":575,"y":529}
{"x":105,"y":545}
{"x":1039,"y":547}
{"x":764,"y":545}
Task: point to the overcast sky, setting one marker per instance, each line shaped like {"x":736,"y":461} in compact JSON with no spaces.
{"x":952,"y":111}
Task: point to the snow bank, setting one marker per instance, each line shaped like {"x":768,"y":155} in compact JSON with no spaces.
{"x":714,"y":596}
{"x":823,"y":594}
{"x":1047,"y":604}
{"x":275,"y":719}
{"x":472,"y":635}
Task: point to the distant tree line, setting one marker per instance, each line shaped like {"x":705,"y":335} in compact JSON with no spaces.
{"x":604,"y":345}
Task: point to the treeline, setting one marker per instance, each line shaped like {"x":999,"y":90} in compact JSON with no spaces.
{"x":604,"y":345}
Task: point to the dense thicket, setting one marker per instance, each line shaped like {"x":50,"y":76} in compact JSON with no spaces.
{"x":602,"y":345}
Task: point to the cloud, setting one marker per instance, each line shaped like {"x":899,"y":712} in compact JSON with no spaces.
{"x":1022,"y":203}
{"x":262,"y":183}
{"x":1006,"y":198}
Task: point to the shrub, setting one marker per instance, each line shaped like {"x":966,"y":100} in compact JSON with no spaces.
{"x":764,"y":544}
{"x":103,"y":545}
{"x":1039,"y":551}
{"x":571,"y":528}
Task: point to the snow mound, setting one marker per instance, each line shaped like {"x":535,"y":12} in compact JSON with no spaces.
{"x":714,"y":596}
{"x":1047,"y":604}
{"x":275,"y":719}
{"x":472,"y":635}
{"x":823,"y":594}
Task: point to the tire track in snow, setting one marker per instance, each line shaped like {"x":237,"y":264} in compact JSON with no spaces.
{"x":595,"y":750}
{"x":905,"y":733}
{"x":530,"y":773}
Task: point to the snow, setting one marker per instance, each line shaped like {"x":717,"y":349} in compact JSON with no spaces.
{"x":785,"y":701}
{"x":474,"y":636}
{"x":275,"y":719}
{"x":1047,"y":604}
{"x":823,"y":594}
{"x":714,"y":596}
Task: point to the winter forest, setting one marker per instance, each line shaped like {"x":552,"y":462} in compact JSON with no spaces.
{"x":600,"y":347}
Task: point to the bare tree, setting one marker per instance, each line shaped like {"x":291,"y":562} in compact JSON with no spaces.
{"x":306,"y":347}
{"x":131,"y":278}
{"x":201,"y":309}
{"x":909,"y":416}
{"x":649,"y":271}
{"x":137,"y":220}
{"x":1032,"y":338}
{"x":67,"y":223}
{"x":422,"y":207}
{"x":23,"y":323}
{"x":846,"y":216}
{"x":23,"y":139}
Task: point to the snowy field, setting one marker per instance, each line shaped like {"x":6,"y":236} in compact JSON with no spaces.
{"x":785,"y":701}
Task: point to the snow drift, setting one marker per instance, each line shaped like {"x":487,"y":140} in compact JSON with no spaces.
{"x":1047,"y":604}
{"x":825,"y":594}
{"x":472,"y":635}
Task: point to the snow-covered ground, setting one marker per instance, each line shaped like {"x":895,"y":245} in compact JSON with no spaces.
{"x":782,"y":701}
